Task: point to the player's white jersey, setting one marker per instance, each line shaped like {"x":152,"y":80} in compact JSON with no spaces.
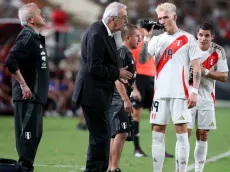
{"x":173,"y":55}
{"x":214,"y":59}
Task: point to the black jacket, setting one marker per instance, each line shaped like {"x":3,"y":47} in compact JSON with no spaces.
{"x":94,"y":85}
{"x":30,"y":57}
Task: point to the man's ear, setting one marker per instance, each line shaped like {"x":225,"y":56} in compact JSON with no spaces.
{"x":175,"y":17}
{"x":30,"y":20}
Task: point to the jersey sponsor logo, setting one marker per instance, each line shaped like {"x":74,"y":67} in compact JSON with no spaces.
{"x":43,"y":65}
{"x":211,"y":124}
{"x":169,"y":51}
{"x":201,"y":162}
{"x":124,"y":125}
{"x":211,"y":61}
{"x":44,"y":58}
{"x":183,"y":162}
{"x":27,"y":135}
{"x":181,"y":118}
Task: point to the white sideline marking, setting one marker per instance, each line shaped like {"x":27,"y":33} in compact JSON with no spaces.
{"x":213,"y":159}
{"x":190,"y":167}
{"x":60,"y":166}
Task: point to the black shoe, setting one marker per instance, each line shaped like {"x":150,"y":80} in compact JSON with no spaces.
{"x":139,"y":153}
{"x":167,"y":155}
{"x":82,"y":126}
{"x":116,"y":170}
{"x":23,"y":168}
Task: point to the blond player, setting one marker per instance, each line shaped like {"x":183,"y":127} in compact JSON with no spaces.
{"x":174,"y":51}
{"x":214,"y":67}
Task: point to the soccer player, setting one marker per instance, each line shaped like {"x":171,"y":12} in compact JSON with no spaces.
{"x":121,"y":104}
{"x":142,"y":96}
{"x":173,"y":50}
{"x":214,"y":67}
{"x":27,"y":62}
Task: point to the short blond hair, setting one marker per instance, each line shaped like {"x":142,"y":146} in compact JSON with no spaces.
{"x":166,"y":7}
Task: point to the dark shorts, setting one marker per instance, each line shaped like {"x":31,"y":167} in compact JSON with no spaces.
{"x":145,"y":85}
{"x":119,"y":119}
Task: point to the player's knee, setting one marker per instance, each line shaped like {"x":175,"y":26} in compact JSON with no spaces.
{"x":204,"y":135}
{"x":157,"y":137}
{"x":181,"y":128}
{"x":182,"y":139}
{"x":159,"y":128}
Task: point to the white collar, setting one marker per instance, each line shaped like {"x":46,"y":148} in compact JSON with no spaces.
{"x":109,"y":32}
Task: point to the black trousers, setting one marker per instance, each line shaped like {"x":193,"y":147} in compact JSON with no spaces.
{"x":97,"y":121}
{"x":28,"y":131}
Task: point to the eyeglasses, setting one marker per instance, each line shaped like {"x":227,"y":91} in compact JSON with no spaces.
{"x":125,"y":18}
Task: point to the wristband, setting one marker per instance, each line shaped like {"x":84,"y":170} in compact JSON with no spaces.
{"x":194,"y":90}
{"x":146,"y":39}
{"x":206,"y":72}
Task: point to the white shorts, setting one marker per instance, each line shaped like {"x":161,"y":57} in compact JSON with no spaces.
{"x":203,"y":119}
{"x":163,"y":109}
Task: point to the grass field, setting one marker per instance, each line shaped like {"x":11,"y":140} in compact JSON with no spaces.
{"x":63,"y":148}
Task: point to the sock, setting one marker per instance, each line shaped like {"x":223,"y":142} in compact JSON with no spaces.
{"x":136,"y":135}
{"x":176,"y":159}
{"x":158,"y":151}
{"x":182,"y":152}
{"x":200,"y":155}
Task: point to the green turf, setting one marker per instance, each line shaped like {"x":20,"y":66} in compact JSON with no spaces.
{"x":62,"y":144}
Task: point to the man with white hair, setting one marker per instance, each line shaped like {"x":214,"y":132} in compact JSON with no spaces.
{"x":27,"y":62}
{"x":95,"y":82}
{"x":173,"y":50}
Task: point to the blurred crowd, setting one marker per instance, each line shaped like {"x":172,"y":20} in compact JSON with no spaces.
{"x":64,"y":53}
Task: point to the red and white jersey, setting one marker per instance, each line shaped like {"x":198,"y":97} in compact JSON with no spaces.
{"x":214,"y":59}
{"x":173,"y":56}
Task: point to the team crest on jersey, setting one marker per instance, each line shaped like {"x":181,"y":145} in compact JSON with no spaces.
{"x":211,"y":62}
{"x":178,"y":42}
{"x":27,"y":135}
{"x":124,"y":125}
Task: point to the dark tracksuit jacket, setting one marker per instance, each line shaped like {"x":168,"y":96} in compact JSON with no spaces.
{"x":30,"y":57}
